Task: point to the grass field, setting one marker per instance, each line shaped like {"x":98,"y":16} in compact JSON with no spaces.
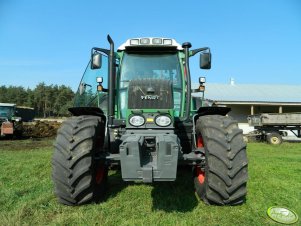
{"x":26,"y":195}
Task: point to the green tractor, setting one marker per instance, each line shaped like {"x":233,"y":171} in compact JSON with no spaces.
{"x":134,"y":108}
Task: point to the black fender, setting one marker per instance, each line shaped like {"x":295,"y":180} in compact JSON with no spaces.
{"x":202,"y":111}
{"x":215,"y":110}
{"x":78,"y":111}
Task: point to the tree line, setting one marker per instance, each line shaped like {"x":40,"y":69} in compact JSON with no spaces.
{"x":47,"y":100}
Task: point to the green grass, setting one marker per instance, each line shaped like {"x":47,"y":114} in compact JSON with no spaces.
{"x":26,"y":195}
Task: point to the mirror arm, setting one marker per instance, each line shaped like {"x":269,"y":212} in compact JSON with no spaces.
{"x":106,"y":51}
{"x":195,"y":51}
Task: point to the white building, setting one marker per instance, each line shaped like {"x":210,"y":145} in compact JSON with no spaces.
{"x":249,"y":99}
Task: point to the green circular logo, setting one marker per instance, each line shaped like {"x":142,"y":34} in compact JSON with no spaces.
{"x":282,"y":215}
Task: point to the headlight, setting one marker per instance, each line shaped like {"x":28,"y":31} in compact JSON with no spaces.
{"x":157,"y":41}
{"x":144,"y":41}
{"x":137,"y":120}
{"x":163,"y":120}
{"x":134,"y":42}
{"x":167,"y":42}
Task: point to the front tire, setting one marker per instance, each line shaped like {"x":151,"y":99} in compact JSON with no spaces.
{"x":78,"y":174}
{"x":222,"y":180}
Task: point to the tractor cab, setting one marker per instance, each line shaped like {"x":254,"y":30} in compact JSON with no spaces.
{"x":149,"y":74}
{"x":151,"y":70}
{"x":6,"y":111}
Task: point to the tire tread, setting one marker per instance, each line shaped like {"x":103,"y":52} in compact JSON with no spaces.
{"x":226,"y":173}
{"x":73,"y":161}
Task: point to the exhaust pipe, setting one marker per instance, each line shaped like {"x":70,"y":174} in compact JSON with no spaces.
{"x":186,"y":47}
{"x":111,"y":104}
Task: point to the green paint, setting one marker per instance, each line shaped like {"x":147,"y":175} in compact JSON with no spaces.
{"x":118,"y":69}
{"x":181,"y":56}
{"x":181,"y":59}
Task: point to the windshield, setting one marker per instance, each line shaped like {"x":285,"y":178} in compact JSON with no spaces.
{"x":138,"y":66}
{"x":6,"y":112}
{"x":152,"y":66}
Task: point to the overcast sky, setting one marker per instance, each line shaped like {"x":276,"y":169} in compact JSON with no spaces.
{"x":256,"y":41}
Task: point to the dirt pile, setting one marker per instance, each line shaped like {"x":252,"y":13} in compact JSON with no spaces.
{"x":39,"y":129}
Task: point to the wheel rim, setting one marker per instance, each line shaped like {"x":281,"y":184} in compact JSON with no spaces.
{"x":199,"y":172}
{"x":274,"y":140}
{"x":100,"y":174}
{"x":200,"y":175}
{"x":200,"y":142}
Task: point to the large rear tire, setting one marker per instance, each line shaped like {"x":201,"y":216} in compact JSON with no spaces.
{"x":78,"y":174}
{"x":223,"y":178}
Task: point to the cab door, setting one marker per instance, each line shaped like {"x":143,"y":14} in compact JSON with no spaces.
{"x":87,"y":94}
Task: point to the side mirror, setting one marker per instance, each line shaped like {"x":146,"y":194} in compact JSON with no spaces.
{"x":205,"y":60}
{"x":96,"y":60}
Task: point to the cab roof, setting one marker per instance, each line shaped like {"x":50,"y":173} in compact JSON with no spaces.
{"x":7,"y":105}
{"x":150,"y":42}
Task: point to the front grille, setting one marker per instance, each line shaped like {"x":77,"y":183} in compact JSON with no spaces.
{"x":150,"y":94}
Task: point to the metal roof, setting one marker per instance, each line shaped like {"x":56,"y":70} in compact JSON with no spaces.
{"x":251,"y":93}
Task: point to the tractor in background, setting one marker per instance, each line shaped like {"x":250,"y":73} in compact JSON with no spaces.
{"x":11,"y":118}
{"x":6,"y":119}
